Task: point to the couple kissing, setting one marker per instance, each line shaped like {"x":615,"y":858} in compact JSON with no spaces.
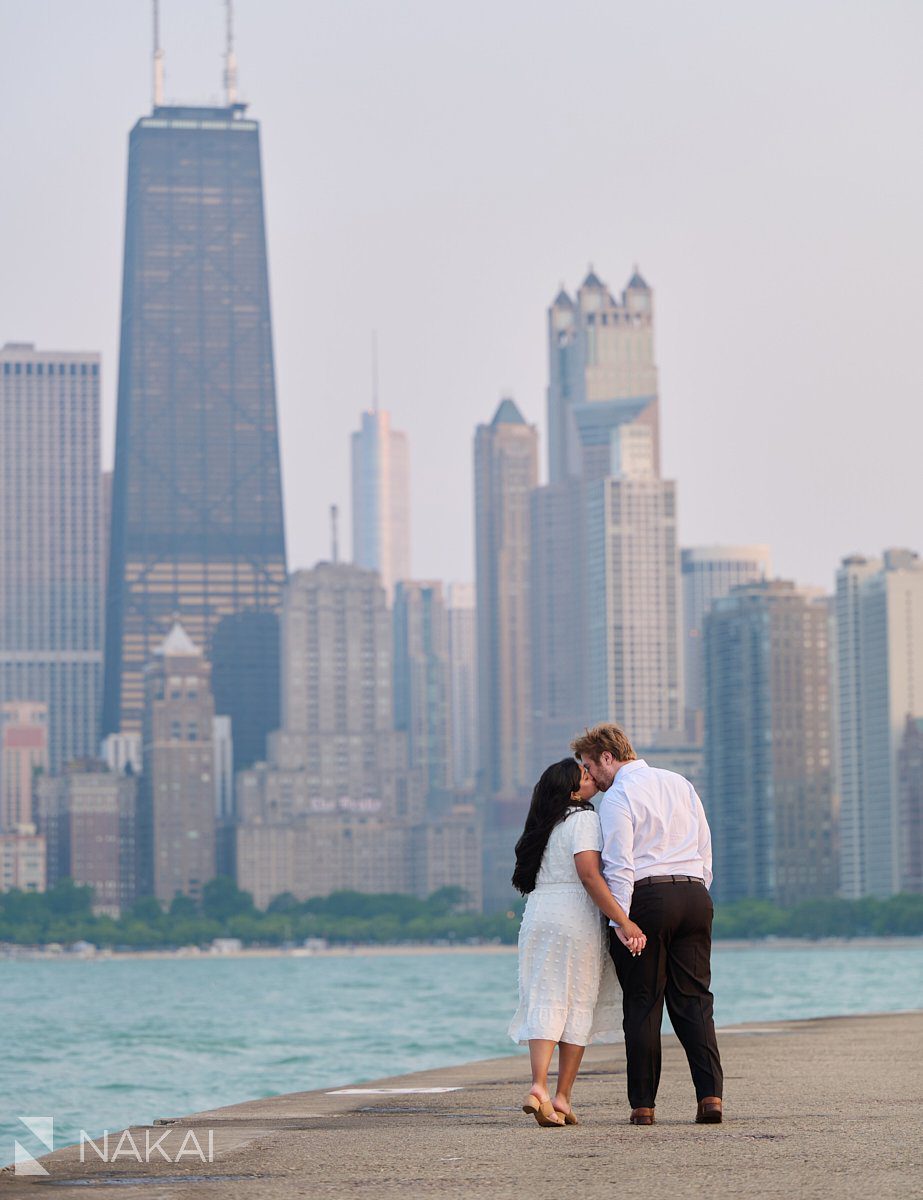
{"x":642,"y":860}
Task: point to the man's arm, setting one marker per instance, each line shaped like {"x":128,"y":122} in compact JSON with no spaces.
{"x":704,"y":838}
{"x":618,"y":845}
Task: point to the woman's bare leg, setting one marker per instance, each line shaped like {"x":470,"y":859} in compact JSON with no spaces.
{"x":570,"y":1057}
{"x":540,"y":1052}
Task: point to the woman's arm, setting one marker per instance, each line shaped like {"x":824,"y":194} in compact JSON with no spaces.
{"x":588,"y":864}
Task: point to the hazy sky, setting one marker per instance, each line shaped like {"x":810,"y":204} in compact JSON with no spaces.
{"x":435,"y":169}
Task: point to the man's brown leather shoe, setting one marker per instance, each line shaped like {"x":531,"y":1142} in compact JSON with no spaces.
{"x":708,"y":1111}
{"x":641,"y":1116}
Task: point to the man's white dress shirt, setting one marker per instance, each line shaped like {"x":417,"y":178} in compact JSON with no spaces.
{"x":653,"y":823}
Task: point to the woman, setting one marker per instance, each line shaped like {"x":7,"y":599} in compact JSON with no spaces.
{"x":567,"y":986}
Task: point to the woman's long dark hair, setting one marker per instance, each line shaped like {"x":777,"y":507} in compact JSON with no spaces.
{"x":551,"y":799}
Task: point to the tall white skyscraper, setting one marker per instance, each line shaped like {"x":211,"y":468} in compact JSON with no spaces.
{"x":605,"y":569}
{"x":381,"y":499}
{"x":632,"y":600}
{"x":710,"y":572}
{"x":462,"y":623}
{"x":51,"y":542}
{"x":879,"y":612}
{"x":505,"y":475}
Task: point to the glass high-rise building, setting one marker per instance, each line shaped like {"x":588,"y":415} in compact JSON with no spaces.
{"x":769,"y":744}
{"x":422,"y":701}
{"x":51,"y":543}
{"x":879,"y":611}
{"x":505,"y":475}
{"x":381,"y":499}
{"x":708,"y":573}
{"x":197,"y":527}
{"x":463,"y":675}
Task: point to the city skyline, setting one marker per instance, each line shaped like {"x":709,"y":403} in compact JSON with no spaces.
{"x":771,"y":276}
{"x":578,"y":575}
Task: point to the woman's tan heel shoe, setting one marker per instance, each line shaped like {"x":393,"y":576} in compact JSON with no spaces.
{"x":569,"y":1118}
{"x":543,"y":1111}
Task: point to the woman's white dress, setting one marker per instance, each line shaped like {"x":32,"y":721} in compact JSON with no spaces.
{"x":568,"y":991}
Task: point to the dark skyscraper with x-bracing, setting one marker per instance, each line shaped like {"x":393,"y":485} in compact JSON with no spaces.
{"x":197,"y":527}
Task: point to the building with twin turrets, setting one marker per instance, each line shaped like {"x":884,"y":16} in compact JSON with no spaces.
{"x":601,"y":375}
{"x":605,"y":619}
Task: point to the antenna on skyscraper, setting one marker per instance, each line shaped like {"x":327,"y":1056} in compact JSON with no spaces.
{"x":375,"y":370}
{"x":334,"y":534}
{"x":230,"y":58}
{"x":158,"y":58}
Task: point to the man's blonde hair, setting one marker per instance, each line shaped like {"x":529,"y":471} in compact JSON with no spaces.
{"x":593,"y":742}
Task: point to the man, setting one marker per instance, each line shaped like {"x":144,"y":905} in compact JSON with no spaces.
{"x":657,"y":863}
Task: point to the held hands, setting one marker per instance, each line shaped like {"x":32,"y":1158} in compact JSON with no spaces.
{"x":631,"y":935}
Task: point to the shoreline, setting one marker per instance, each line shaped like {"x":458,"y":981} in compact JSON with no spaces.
{"x":416,"y":949}
{"x":458,"y":1132}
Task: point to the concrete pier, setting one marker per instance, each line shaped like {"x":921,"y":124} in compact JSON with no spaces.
{"x":829,"y":1108}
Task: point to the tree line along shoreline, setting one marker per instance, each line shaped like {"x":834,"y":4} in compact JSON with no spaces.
{"x":64,"y":916}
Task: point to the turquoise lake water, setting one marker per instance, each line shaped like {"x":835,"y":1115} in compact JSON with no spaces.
{"x":104,"y":1044}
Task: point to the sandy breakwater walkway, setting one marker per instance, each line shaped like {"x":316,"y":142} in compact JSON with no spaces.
{"x":821,"y":1108}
